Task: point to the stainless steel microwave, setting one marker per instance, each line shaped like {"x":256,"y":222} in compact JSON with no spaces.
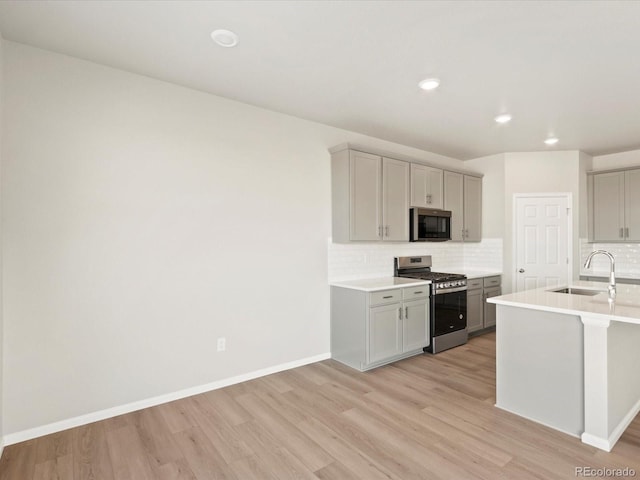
{"x":428,"y":225}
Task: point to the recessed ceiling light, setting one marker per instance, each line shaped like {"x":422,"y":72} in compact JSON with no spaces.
{"x":503,"y":118}
{"x":225,"y":38}
{"x":551,"y":141}
{"x":429,"y":84}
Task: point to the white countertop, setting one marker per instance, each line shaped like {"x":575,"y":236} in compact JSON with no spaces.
{"x":382,"y":283}
{"x":470,"y":274}
{"x":625,"y":308}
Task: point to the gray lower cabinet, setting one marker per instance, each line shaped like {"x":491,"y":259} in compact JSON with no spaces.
{"x":369,"y":329}
{"x":480,"y":314}
{"x":385,"y":332}
{"x":474,"y":307}
{"x":490,"y":308}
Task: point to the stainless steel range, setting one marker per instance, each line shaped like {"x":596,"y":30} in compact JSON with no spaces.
{"x":448,"y":306}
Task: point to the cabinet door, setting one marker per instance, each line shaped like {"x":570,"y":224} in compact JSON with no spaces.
{"x":426,"y":186}
{"x":395,"y":200}
{"x":472,"y":209}
{"x":608,"y":206}
{"x":490,"y":308}
{"x":475,"y":310}
{"x":453,"y":201}
{"x":434,"y":188}
{"x":632,"y":205}
{"x":418,"y":185}
{"x":415,"y":325}
{"x":385,"y":332}
{"x":364,"y":196}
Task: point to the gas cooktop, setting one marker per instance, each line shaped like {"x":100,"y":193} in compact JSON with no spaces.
{"x":433,"y":276}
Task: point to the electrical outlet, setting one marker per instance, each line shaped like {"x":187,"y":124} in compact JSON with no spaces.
{"x":222,"y":344}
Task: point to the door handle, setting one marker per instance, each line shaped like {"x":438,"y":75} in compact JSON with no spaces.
{"x":406,"y":313}
{"x":400,"y":313}
{"x":621,"y":232}
{"x":521,"y":270}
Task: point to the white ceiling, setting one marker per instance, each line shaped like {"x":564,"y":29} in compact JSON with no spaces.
{"x":571,"y":69}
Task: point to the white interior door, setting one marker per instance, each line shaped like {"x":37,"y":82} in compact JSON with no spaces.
{"x":542,"y":241}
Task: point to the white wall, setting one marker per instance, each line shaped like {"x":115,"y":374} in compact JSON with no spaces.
{"x":1,"y":309}
{"x":617,"y":160}
{"x":538,"y":172}
{"x":142,"y":221}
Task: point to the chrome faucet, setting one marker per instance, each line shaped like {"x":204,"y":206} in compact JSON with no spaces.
{"x":612,"y":275}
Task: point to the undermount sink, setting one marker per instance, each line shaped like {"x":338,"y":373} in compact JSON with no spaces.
{"x":577,"y":291}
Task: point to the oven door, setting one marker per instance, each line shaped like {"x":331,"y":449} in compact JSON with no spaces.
{"x":449,"y":311}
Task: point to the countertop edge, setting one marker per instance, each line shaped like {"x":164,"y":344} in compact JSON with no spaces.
{"x":500,"y":300}
{"x":353,"y":285}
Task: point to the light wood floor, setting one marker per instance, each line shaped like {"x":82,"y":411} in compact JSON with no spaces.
{"x":425,"y":417}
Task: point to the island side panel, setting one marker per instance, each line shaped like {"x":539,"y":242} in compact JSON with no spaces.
{"x":623,"y":342}
{"x":539,"y":367}
{"x":348,"y":329}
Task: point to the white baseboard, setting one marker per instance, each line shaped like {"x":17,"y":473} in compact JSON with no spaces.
{"x":567,"y":432}
{"x":1,"y":446}
{"x":608,"y":443}
{"x":624,"y":423}
{"x":24,"y":435}
{"x":598,"y":442}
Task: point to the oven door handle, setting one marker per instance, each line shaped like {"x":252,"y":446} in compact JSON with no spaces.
{"x":444,"y":291}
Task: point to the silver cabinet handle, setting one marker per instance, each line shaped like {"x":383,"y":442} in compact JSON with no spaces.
{"x":400,"y":313}
{"x":429,"y":198}
{"x":417,"y":293}
{"x":463,"y":233}
{"x":406,"y":313}
{"x":621,"y":232}
{"x":388,"y":296}
{"x":380,"y":231}
{"x":521,"y":270}
{"x":386,"y":230}
{"x":626,"y":232}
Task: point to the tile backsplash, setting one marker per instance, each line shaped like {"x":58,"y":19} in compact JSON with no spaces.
{"x":350,"y":261}
{"x":627,"y":256}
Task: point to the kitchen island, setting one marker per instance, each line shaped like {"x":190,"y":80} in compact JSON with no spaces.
{"x":570,"y":360}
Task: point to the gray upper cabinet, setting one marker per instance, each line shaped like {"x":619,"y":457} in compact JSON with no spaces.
{"x":454,"y":201}
{"x":395,"y":200}
{"x":632,"y":205}
{"x":370,"y":197}
{"x":426,"y":186}
{"x":616,"y":206}
{"x":372,"y":193}
{"x":364,"y":196}
{"x":472,"y":208}
{"x":463,"y":197}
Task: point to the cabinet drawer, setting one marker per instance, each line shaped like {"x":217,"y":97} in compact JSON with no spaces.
{"x":492,"y":281}
{"x":416,"y":292}
{"x":474,"y":283}
{"x":385,"y":296}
